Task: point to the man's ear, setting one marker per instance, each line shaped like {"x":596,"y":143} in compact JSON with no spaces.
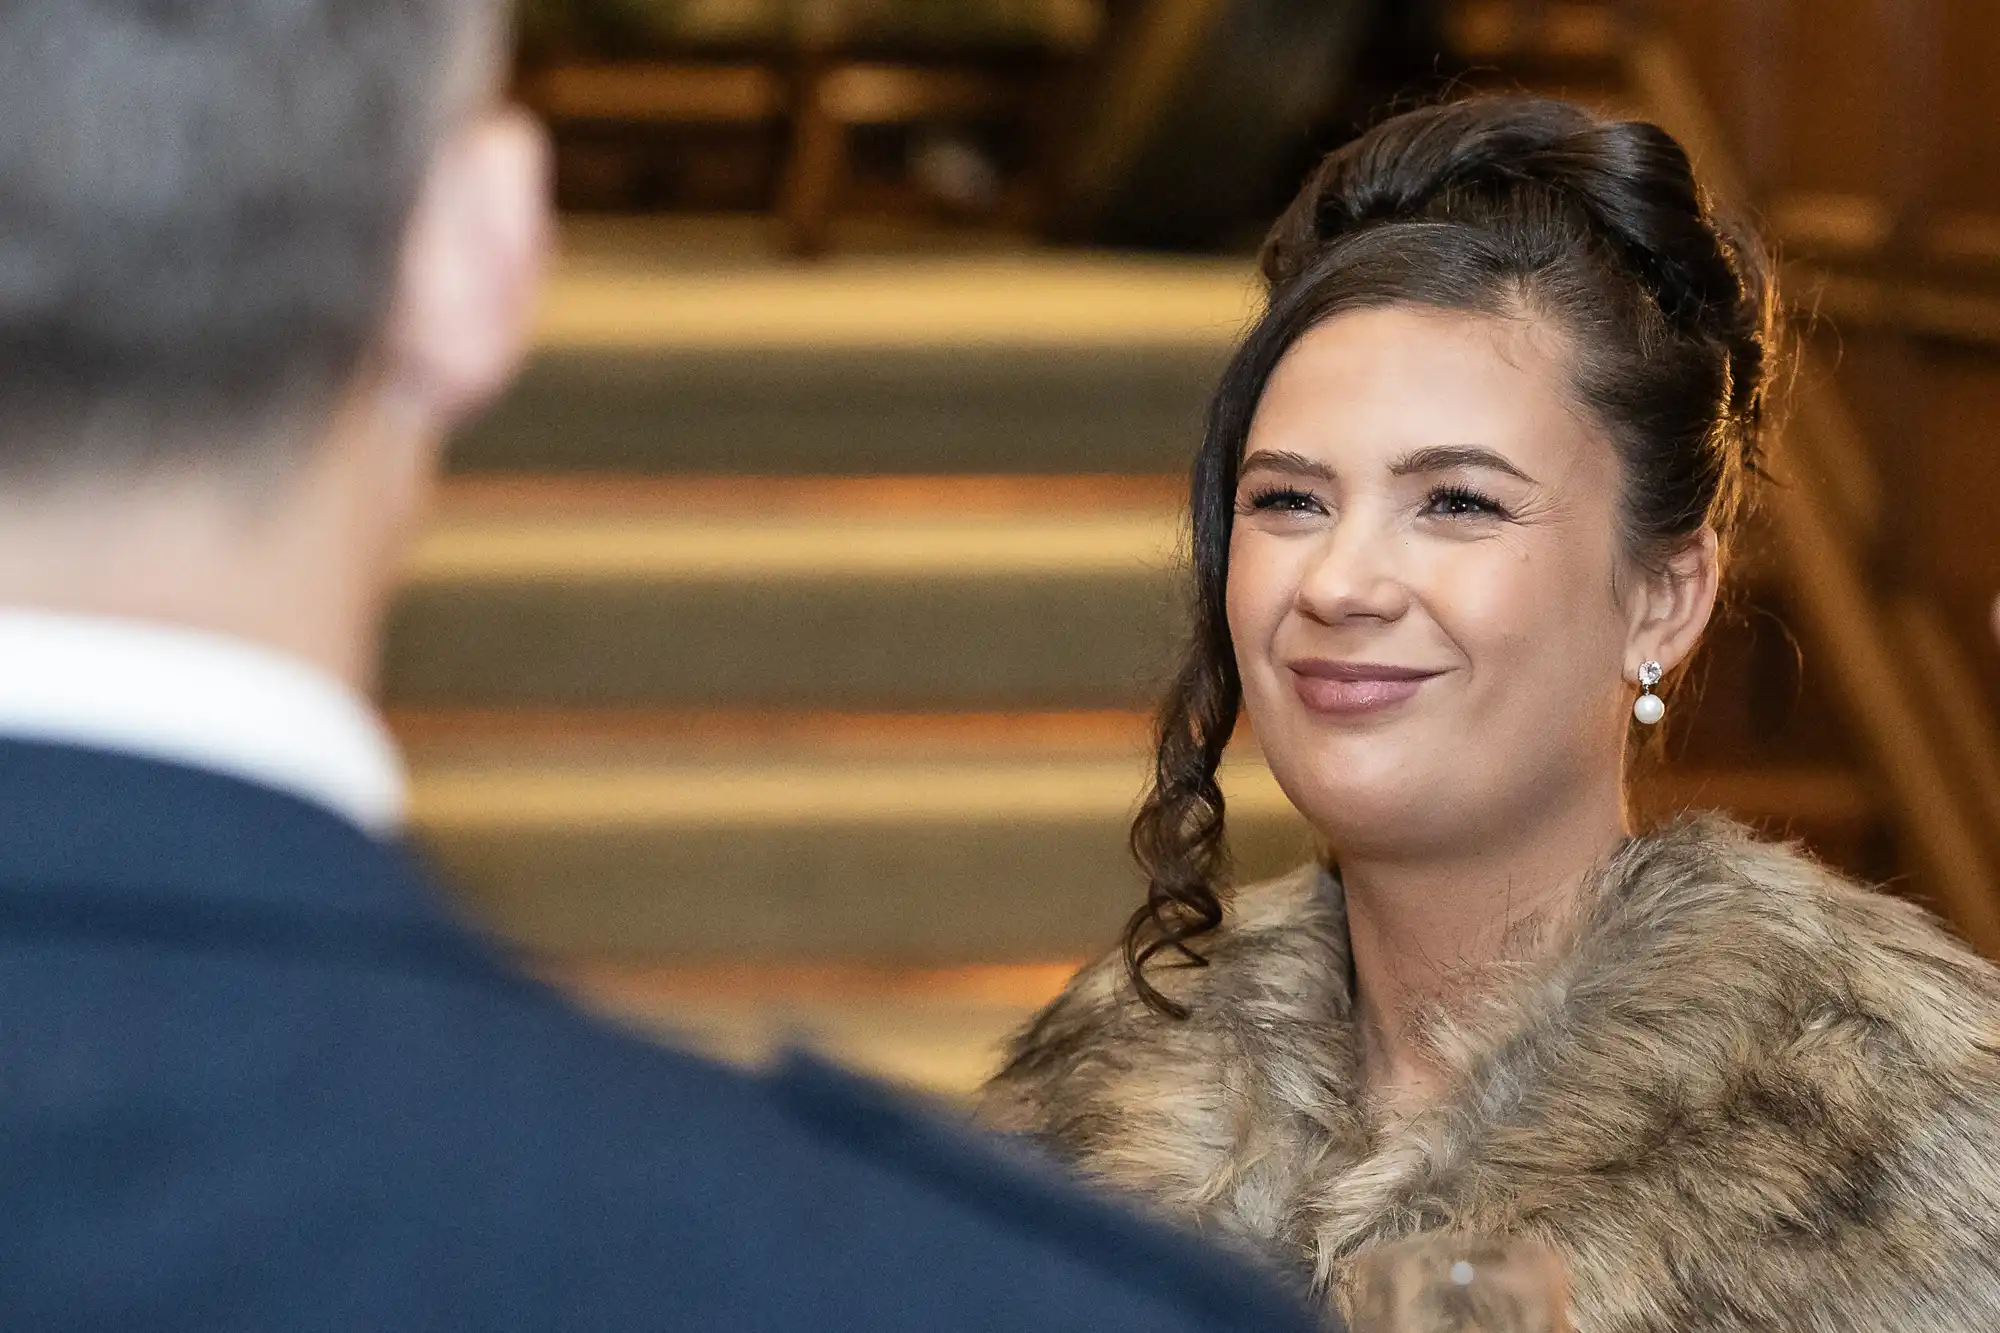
{"x":471,"y":271}
{"x":1671,"y":606}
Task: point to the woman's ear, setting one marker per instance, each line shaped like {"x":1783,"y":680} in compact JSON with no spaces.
{"x":1671,"y":606}
{"x":470,"y":278}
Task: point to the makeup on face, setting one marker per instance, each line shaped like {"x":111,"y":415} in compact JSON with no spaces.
{"x":1425,"y":539}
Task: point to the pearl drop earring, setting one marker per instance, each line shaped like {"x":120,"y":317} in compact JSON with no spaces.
{"x":1649,"y":707}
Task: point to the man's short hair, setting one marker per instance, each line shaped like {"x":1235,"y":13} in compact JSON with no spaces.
{"x":201,"y":210}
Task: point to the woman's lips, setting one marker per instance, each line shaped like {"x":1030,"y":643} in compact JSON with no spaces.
{"x":1352,"y":688}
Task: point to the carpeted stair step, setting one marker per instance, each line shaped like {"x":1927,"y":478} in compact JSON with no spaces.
{"x":934,"y":840}
{"x":938,"y":364}
{"x":937,"y":1029}
{"x":925,"y":594}
{"x":848,"y":411}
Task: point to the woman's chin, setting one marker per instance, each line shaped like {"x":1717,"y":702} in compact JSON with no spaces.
{"x":1392,"y":809}
{"x":1366,"y":766}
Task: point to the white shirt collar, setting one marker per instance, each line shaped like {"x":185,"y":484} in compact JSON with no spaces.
{"x":199,"y":700}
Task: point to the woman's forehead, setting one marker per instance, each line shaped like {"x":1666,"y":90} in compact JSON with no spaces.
{"x":1370,"y":386}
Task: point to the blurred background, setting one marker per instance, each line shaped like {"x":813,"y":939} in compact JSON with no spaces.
{"x":778,"y":667}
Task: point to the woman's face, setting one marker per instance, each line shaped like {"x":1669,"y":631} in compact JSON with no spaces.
{"x":1427,"y":590}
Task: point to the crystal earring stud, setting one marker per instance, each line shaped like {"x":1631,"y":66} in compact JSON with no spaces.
{"x":1649,"y":707}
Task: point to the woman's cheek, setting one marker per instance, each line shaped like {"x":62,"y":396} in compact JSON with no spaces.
{"x":1256,"y":595}
{"x":1483,"y":593}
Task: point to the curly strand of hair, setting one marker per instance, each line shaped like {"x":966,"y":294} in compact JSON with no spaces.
{"x":1179,"y":837}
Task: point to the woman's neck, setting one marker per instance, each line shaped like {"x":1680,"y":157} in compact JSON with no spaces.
{"x":1424,"y":932}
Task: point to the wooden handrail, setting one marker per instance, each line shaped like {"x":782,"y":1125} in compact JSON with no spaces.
{"x":1908,"y":695}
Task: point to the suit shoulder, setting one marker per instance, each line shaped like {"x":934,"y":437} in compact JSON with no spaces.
{"x":807,"y":1187}
{"x":996,"y":1191}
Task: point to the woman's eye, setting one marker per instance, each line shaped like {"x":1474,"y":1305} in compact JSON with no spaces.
{"x":1283,"y":500}
{"x":1462,"y":502}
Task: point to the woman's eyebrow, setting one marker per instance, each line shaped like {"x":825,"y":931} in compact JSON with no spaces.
{"x":1287,"y":462}
{"x":1450,"y":457}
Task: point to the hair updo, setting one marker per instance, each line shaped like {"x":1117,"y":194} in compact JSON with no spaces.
{"x":1506,"y":206}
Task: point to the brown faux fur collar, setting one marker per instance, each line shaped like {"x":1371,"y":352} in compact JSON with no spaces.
{"x":1750,"y":1096}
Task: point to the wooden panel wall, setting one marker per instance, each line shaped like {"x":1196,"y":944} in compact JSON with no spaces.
{"x":1855,"y":93}
{"x":1969,"y":107}
{"x":1799,"y":84}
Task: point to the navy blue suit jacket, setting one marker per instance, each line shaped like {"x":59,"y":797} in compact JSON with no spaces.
{"x":254,"y":1075}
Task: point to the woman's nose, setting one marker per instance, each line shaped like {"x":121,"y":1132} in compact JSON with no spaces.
{"x":1354,"y":574}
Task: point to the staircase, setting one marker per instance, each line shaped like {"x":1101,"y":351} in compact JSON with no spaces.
{"x":778,"y":666}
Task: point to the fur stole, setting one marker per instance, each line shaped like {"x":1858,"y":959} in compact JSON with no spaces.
{"x":1747,"y":1095}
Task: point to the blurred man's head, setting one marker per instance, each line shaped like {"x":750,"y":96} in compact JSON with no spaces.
{"x":260,"y":251}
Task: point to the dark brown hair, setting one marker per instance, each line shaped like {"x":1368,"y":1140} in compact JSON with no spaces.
{"x":1506,"y":206}
{"x":202,"y":205}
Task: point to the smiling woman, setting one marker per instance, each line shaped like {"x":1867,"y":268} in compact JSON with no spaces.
{"x":1466,"y":497}
{"x":1383,"y":581}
